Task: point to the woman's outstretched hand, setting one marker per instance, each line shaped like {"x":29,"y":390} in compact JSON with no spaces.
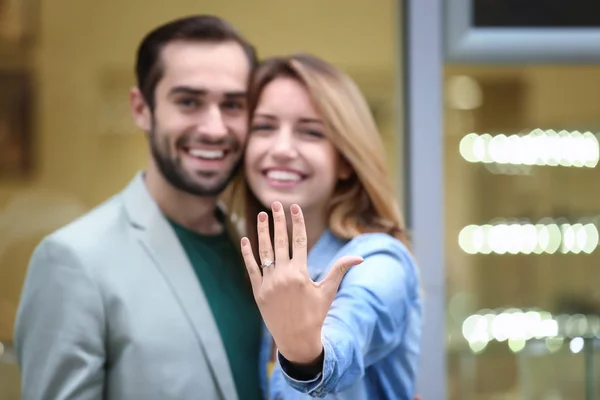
{"x":292,"y":305}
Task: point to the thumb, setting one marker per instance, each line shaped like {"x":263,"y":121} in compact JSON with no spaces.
{"x":332,"y":281}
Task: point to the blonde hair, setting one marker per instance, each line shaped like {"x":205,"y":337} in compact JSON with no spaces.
{"x":366,"y":202}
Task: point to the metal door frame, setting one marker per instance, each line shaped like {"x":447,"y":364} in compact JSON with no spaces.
{"x":422,"y":64}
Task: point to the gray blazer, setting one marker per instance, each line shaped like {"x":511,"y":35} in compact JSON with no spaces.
{"x":112,"y":309}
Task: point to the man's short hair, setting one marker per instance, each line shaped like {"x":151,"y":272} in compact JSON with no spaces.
{"x":198,"y":28}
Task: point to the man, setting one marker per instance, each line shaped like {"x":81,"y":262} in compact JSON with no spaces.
{"x":146,"y":297}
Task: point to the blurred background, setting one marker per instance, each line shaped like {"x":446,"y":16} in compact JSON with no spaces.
{"x":520,"y":165}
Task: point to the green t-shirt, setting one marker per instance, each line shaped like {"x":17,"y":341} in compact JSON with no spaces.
{"x":222,"y":274}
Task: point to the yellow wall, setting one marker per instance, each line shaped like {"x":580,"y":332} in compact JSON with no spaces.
{"x":83,"y":42}
{"x":86,"y":145}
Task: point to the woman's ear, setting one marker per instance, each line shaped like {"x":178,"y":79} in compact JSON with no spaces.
{"x":345,"y":170}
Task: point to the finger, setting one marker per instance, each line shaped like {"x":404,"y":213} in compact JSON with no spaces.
{"x":332,"y":281}
{"x":265,"y":249}
{"x":282,"y":245}
{"x":299,"y":239}
{"x":251,"y":265}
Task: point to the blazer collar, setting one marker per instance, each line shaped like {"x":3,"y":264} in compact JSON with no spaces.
{"x":161,"y":243}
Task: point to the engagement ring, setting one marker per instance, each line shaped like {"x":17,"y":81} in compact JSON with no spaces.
{"x":267,"y":263}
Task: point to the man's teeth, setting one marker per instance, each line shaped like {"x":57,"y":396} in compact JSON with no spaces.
{"x":207,"y":154}
{"x":284,"y":176}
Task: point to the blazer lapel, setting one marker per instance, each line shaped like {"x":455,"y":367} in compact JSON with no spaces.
{"x":161,"y":243}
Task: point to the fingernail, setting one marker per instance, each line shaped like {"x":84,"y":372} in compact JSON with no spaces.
{"x":276,"y":206}
{"x":295,"y":209}
{"x":262,"y":217}
{"x":244,"y":241}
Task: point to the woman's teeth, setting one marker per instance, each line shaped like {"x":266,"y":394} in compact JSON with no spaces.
{"x":285,"y":176}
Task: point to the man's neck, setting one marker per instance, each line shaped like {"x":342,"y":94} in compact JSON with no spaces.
{"x":193,"y":212}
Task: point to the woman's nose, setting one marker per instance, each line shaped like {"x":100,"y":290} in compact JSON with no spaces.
{"x":284,"y":146}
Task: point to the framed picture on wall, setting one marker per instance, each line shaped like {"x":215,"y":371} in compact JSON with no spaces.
{"x":517,"y":31}
{"x":15,"y":124}
{"x":18,"y":22}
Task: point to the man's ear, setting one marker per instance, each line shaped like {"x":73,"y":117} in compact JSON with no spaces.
{"x":140,"y":110}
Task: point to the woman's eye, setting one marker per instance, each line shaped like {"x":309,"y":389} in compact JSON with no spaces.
{"x":233,"y":105}
{"x":261,"y":128}
{"x":314,"y":134}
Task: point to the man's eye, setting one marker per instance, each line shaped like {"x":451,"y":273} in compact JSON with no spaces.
{"x":233,"y":105}
{"x":188,"y":103}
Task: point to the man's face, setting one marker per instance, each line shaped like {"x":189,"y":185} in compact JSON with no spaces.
{"x":199,"y":123}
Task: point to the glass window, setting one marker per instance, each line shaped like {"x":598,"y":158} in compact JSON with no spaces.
{"x":522,"y":199}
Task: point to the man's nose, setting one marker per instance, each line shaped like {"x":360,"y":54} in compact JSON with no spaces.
{"x":212,"y":124}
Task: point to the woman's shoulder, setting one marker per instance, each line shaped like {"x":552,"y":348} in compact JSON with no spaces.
{"x":370,"y":244}
{"x":388,"y":265}
{"x":381,"y":252}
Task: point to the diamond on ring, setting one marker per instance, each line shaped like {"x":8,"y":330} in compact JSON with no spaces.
{"x":267,"y":263}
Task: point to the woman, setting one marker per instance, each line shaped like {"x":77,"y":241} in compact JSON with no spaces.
{"x":313,"y":144}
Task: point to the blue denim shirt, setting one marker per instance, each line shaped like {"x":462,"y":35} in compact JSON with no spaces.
{"x":372,"y":333}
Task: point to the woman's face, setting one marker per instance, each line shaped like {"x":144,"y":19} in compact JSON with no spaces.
{"x":288,"y":156}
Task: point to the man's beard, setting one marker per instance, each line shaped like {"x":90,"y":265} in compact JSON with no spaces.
{"x":172,"y":170}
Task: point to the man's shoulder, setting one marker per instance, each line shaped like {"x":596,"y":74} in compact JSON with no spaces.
{"x":103,"y":224}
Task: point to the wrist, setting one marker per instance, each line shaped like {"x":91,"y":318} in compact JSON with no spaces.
{"x":303,"y":355}
{"x":303,"y":372}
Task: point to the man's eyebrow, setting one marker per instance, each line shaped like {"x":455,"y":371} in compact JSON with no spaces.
{"x":235,"y":95}
{"x":187,"y":90}
{"x":203,"y":92}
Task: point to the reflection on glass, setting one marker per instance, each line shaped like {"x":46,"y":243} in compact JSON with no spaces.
{"x":522,"y":218}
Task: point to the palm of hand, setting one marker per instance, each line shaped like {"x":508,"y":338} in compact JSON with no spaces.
{"x":292,"y":305}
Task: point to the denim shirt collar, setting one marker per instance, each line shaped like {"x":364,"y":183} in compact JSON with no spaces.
{"x":323,"y":254}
